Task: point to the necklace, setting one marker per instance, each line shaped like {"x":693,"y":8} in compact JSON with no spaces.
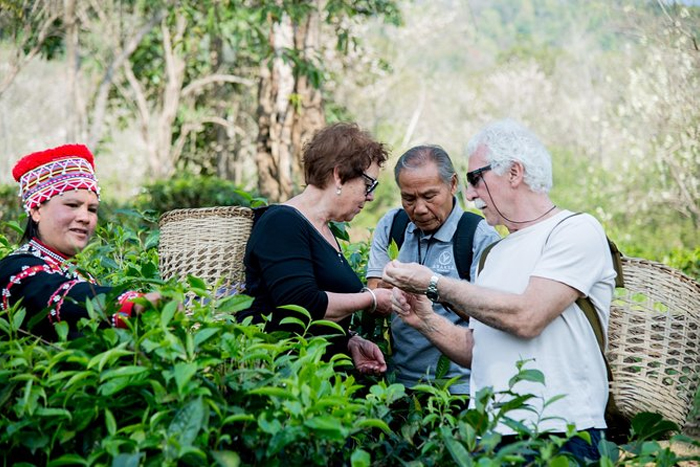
{"x":511,"y":221}
{"x":532,"y":220}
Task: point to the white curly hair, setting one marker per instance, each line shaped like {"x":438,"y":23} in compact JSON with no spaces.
{"x":507,"y":141}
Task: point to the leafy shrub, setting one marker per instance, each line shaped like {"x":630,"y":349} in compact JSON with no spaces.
{"x":193,"y":192}
{"x":196,"y":388}
{"x":687,"y":261}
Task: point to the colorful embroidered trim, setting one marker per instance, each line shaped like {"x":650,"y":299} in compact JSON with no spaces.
{"x":126,"y":309}
{"x":54,"y":178}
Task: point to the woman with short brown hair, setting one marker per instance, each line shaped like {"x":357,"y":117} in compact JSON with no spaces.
{"x":293,"y":258}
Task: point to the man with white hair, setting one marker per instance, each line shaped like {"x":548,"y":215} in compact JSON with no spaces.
{"x":522,"y":305}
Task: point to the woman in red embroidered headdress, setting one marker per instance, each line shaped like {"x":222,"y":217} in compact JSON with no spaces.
{"x":60,"y":194}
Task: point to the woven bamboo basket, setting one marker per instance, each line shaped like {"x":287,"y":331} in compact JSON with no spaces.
{"x":208,"y":243}
{"x":654,"y":341}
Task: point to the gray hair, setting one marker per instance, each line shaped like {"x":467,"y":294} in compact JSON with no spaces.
{"x":507,"y":141}
{"x":418,"y":156}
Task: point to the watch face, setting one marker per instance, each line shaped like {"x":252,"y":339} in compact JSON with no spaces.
{"x":432,"y":295}
{"x":432,"y":291}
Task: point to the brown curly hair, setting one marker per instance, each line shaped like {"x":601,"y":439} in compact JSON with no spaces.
{"x":342,"y":145}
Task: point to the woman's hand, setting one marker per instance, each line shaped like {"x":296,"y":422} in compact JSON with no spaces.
{"x":368,"y":358}
{"x":384,"y":307}
{"x":153,"y":297}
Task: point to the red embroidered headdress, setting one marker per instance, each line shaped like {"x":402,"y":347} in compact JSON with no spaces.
{"x":45,"y":174}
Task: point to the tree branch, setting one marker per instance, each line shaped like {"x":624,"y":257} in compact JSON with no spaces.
{"x":196,"y":85}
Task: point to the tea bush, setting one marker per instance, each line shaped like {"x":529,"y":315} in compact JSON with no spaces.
{"x":190,"y":386}
{"x":190,"y":191}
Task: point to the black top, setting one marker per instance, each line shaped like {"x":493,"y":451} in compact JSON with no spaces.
{"x":288,"y":262}
{"x":47,"y":283}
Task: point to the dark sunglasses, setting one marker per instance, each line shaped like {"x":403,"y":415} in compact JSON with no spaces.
{"x":372,"y":185}
{"x":474,"y":176}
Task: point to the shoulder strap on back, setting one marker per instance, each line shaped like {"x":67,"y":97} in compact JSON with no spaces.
{"x":614,"y":252}
{"x":463,"y":243}
{"x":586,"y":305}
{"x":589,"y":310}
{"x":617,"y":263}
{"x":484,"y":254}
{"x":398,"y":227}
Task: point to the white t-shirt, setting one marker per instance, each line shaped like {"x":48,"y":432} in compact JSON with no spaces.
{"x":576,"y":253}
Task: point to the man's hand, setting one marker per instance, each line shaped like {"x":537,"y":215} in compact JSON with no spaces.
{"x":414,"y":310}
{"x":410,"y":277}
{"x":368,"y":358}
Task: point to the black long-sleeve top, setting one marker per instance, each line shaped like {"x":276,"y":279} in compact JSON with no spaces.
{"x":288,"y":262}
{"x":46,"y":282}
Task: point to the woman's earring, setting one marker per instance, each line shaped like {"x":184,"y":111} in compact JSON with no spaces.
{"x":338,"y":191}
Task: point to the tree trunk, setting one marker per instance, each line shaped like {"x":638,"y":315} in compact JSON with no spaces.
{"x":289,"y":109}
{"x":69,"y":20}
{"x":175,"y":74}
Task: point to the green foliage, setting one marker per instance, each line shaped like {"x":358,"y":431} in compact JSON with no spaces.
{"x":190,"y":386}
{"x":650,"y":231}
{"x":183,"y":388}
{"x":193,"y":192}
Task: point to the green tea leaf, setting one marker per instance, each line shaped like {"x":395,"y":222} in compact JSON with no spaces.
{"x":187,"y":422}
{"x":114,"y":386}
{"x":374,"y":423}
{"x":443,"y":366}
{"x":127,"y":460}
{"x":456,"y":449}
{"x":393,"y":250}
{"x":110,"y":422}
{"x":130,"y":370}
{"x":52,"y":412}
{"x":68,"y":459}
{"x":204,"y":335}
{"x":62,"y":329}
{"x":18,"y":318}
{"x":298,"y":309}
{"x":184,"y":371}
{"x":234,"y":303}
{"x":272,"y":392}
{"x":108,"y":356}
{"x":226,"y":458}
{"x":360,"y":458}
{"x":536,"y":376}
{"x":166,"y":315}
{"x":196,"y":282}
{"x":329,"y":324}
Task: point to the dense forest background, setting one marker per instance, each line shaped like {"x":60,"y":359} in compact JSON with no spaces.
{"x":169,"y":90}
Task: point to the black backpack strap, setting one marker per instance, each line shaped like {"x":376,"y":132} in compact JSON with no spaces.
{"x":463,"y":243}
{"x":484,"y":254}
{"x":586,"y":305}
{"x":617,"y":263}
{"x":398,"y":228}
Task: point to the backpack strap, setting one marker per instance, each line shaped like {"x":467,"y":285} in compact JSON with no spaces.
{"x":484,"y":254}
{"x":398,"y":228}
{"x":586,"y":305}
{"x":463,"y":243}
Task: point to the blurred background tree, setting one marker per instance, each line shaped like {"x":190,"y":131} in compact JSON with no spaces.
{"x":232,"y":89}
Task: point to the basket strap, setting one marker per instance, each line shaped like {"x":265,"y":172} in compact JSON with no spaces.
{"x":589,"y":311}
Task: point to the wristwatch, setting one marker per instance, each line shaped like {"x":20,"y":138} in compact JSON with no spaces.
{"x":432,"y":290}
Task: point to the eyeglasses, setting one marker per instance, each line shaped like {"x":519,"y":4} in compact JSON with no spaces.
{"x":372,"y":185}
{"x":474,"y":176}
